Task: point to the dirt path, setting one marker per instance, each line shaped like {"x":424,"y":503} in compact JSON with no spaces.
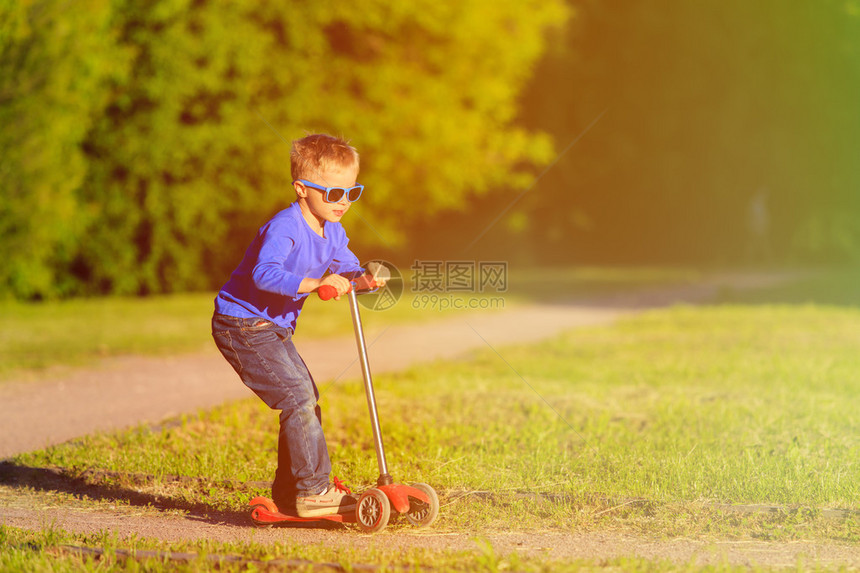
{"x":125,"y":391}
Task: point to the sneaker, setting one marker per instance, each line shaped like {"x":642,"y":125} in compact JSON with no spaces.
{"x":336,"y":499}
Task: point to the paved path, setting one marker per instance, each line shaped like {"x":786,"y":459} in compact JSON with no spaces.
{"x":125,"y":391}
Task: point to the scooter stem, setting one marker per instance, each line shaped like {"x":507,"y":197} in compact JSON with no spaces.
{"x":384,"y":477}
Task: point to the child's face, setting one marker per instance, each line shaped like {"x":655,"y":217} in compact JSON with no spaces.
{"x":313,"y":198}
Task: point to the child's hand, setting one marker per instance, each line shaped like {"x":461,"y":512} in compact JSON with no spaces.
{"x":378,"y":273}
{"x":367,"y":282}
{"x":339,"y":283}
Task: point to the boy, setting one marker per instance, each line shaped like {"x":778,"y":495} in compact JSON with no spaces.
{"x":256,"y":311}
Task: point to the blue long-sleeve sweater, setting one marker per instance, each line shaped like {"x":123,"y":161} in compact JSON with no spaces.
{"x":285,"y":251}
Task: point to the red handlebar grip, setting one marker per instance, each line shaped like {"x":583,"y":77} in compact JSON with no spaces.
{"x":327,"y":292}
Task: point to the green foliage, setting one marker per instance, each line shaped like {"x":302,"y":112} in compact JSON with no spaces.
{"x":53,"y":66}
{"x":166,"y":159}
{"x":156,"y":134}
{"x":143,"y":143}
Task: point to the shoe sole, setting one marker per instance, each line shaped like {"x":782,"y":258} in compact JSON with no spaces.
{"x":323,"y":511}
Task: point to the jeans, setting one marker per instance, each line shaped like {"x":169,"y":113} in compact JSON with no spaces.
{"x":264,"y":356}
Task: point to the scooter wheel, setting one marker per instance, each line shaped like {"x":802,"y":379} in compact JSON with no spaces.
{"x":424,"y":516}
{"x":373,"y":511}
{"x":255,"y":513}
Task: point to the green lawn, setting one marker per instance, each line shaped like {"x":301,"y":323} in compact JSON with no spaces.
{"x":727,"y":404}
{"x":651,"y":425}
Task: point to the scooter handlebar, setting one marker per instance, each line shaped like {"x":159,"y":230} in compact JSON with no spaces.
{"x":362,"y":283}
{"x":327,"y":292}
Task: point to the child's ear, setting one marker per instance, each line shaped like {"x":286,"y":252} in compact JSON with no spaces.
{"x":301,"y":191}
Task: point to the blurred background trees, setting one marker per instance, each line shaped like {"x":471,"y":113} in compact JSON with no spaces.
{"x":153,"y":137}
{"x":55,"y":64}
{"x":715,"y":109}
{"x":143,"y":143}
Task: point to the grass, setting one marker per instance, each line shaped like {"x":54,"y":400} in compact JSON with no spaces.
{"x":711,"y":404}
{"x":57,"y":551}
{"x":38,"y":337}
{"x":72,"y":333}
{"x":60,"y":552}
{"x":655,"y":425}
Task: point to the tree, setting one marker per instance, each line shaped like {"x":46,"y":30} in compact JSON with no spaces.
{"x":192,"y":153}
{"x":53,"y":64}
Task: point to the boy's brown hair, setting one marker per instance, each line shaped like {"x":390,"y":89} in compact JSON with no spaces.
{"x":313,"y":154}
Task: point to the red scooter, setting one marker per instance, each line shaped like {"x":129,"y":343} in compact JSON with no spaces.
{"x":417,"y":502}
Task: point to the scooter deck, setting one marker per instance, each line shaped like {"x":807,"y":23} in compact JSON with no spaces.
{"x":264,"y":512}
